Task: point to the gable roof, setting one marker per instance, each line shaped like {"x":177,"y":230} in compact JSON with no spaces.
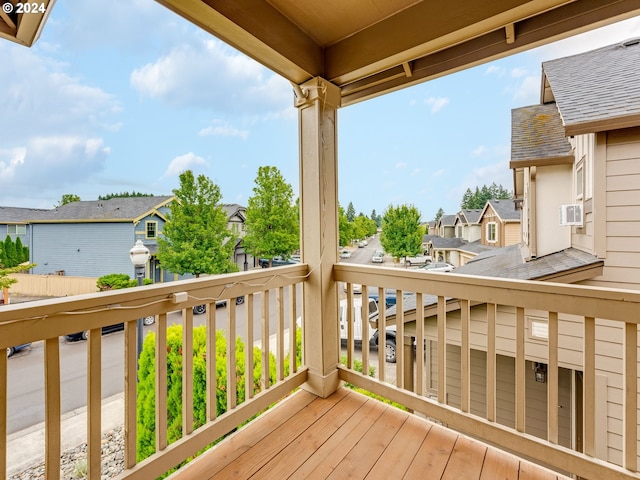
{"x":470,"y":215}
{"x":597,"y":90}
{"x":447,"y":220}
{"x":537,"y":137}
{"x":18,"y":214}
{"x":126,"y":209}
{"x":505,"y":209}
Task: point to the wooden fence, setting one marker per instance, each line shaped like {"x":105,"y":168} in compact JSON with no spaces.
{"x":52,"y":285}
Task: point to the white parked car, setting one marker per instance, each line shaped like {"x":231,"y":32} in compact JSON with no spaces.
{"x":390,"y":334}
{"x":436,"y":267}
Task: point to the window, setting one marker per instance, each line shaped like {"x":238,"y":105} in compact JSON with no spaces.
{"x":492,"y":232}
{"x":459,"y":235}
{"x":152,"y":229}
{"x":16,"y":229}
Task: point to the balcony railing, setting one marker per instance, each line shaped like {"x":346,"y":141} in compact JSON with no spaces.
{"x":265,"y":292}
{"x":472,"y":313}
{"x":489,"y":315}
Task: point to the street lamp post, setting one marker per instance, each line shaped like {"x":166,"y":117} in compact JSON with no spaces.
{"x":139,"y":256}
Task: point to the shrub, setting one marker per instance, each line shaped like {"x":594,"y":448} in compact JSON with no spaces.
{"x":146,"y":385}
{"x":116,"y":281}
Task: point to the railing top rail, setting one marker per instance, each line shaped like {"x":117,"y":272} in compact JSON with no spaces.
{"x":48,"y":318}
{"x":599,"y":302}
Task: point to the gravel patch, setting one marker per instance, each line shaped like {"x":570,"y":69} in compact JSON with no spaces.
{"x":73,"y":462}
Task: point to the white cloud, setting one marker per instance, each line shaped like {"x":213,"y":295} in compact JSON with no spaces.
{"x":494,"y":70}
{"x":208,"y":74}
{"x":184,"y":162}
{"x":527,"y":91}
{"x":498,"y":172}
{"x":518,"y":72}
{"x":401,"y":165}
{"x":223,"y":130}
{"x":479,"y":151}
{"x":436,"y":103}
{"x":439,"y":173}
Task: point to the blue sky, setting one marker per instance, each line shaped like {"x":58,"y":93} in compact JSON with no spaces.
{"x":123,"y":96}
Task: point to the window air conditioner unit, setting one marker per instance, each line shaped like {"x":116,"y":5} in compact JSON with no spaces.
{"x":571,"y":214}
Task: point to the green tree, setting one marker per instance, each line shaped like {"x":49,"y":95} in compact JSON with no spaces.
{"x":272,"y":224}
{"x":401,"y":234}
{"x":67,"y":198}
{"x":195,"y":238}
{"x":479,"y":197}
{"x":376,"y":218}
{"x":109,"y":196}
{"x":6,"y":281}
{"x":345,"y":228}
{"x":20,"y":257}
{"x":439,"y":214}
{"x":351,"y":212}
{"x":10,"y":255}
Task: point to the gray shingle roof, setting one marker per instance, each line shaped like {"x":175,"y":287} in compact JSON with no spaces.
{"x":18,"y":215}
{"x":471,"y":215}
{"x":507,"y":262}
{"x":440,"y":242}
{"x":537,"y":133}
{"x":597,"y":85}
{"x":447,"y":220}
{"x":506,"y":209}
{"x":117,"y":209}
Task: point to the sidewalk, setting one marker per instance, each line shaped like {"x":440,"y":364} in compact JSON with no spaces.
{"x":26,"y":448}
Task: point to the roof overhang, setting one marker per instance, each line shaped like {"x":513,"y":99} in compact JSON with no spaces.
{"x":542,"y":162}
{"x":375,"y":48}
{"x":24,"y":22}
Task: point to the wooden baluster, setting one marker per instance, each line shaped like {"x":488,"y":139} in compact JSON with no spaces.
{"x":248,"y":366}
{"x":400,"y":340}
{"x":630,"y":449}
{"x":3,"y":416}
{"x":161,"y":382}
{"x":232,"y":387}
{"x":94,"y":404}
{"x":442,"y":350}
{"x":187,"y":369}
{"x":465,"y":357}
{"x":130,"y":392}
{"x":293,"y":329}
{"x":52,"y":408}
{"x":265,"y":340}
{"x":280,"y":333}
{"x":382,"y":323}
{"x":520,"y":372}
{"x":552,"y":380}
{"x":491,"y":362}
{"x":364,"y":321}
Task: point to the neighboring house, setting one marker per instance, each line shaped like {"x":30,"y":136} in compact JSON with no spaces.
{"x":467,"y":224}
{"x":500,"y":223}
{"x":93,"y":238}
{"x":576,"y":161}
{"x":445,"y":227}
{"x":14,"y":221}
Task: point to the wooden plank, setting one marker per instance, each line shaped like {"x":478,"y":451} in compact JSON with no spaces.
{"x":250,"y":461}
{"x":161,"y":382}
{"x":130,"y":388}
{"x":327,"y":456}
{"x":433,"y":455}
{"x":52,"y":408}
{"x":442,"y":350}
{"x":589,"y":386}
{"x":360,"y":459}
{"x":232,"y":387}
{"x":248,"y":366}
{"x":350,"y":326}
{"x":264,"y":319}
{"x":520,"y":386}
{"x":293,"y":329}
{"x":382,"y":314}
{"x":420,"y":347}
{"x":364,"y":321}
{"x":466,"y":460}
{"x":400,"y":363}
{"x":187,"y":369}
{"x":499,"y":465}
{"x":295,"y":455}
{"x":280,"y":333}
{"x":552,"y":380}
{"x":529,"y":471}
{"x":465,"y":356}
{"x":491,"y":361}
{"x":94,"y":404}
{"x":395,"y":460}
{"x":631,"y":397}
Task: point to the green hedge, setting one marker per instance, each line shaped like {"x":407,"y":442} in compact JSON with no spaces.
{"x":146,"y":386}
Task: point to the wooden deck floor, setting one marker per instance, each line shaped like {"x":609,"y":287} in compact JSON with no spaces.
{"x":349,"y":435}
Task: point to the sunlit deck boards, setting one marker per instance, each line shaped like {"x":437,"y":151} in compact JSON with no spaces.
{"x":349,"y":435}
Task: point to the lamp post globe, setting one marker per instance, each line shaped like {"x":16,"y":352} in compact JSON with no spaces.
{"x":139,"y":255}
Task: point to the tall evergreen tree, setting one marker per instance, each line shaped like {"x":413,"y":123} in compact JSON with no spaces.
{"x":351,"y":212}
{"x":439,"y":214}
{"x":20,"y":251}
{"x":10,"y":256}
{"x":272,"y":224}
{"x":196,"y":239}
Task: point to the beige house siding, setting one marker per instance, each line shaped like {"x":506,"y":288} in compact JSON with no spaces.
{"x":511,"y":234}
{"x":536,"y":393}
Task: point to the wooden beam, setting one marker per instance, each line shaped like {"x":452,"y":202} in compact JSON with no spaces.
{"x":510,"y":32}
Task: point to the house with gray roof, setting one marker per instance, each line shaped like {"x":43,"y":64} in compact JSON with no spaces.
{"x":467,"y":224}
{"x":576,"y":152}
{"x":14,"y":221}
{"x":93,"y":238}
{"x":499,"y":223}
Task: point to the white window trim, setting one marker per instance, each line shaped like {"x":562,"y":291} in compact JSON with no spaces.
{"x":580,"y":171}
{"x":146,"y":229}
{"x":17,"y":230}
{"x":495,"y":240}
